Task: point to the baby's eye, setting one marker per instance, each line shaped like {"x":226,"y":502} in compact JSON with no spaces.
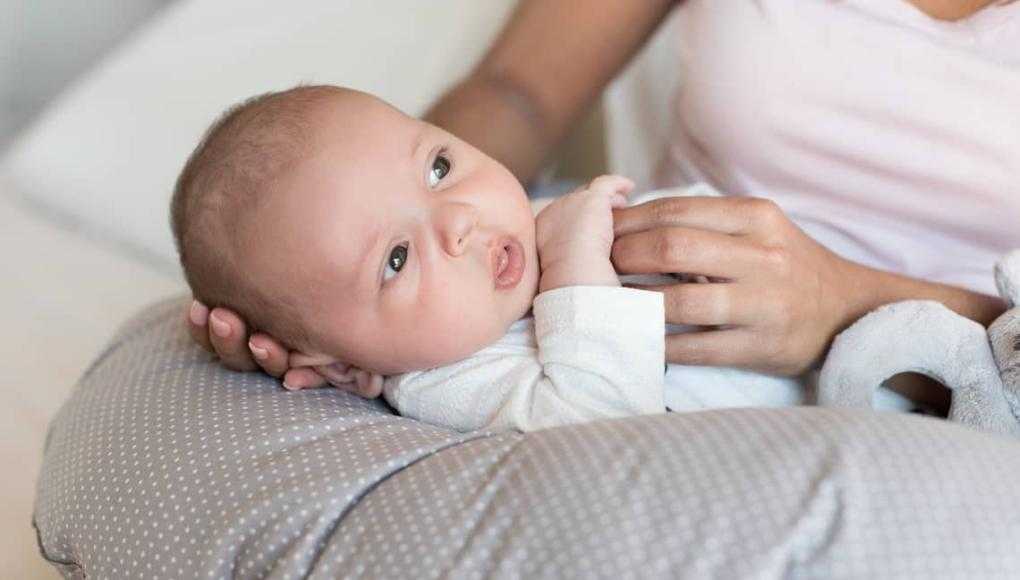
{"x":396,"y":261}
{"x":440,"y":169}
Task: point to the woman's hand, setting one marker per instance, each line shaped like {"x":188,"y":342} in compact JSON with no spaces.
{"x":223,"y":333}
{"x":782,"y":297}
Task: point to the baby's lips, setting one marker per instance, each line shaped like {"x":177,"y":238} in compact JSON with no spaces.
{"x":508,"y":262}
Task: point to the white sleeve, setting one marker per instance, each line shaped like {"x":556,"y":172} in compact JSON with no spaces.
{"x":601,"y":353}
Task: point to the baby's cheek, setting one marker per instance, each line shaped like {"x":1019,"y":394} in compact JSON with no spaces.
{"x":457,"y":329}
{"x":445,"y":346}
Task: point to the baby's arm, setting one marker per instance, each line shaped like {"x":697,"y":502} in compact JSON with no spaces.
{"x":600,"y":353}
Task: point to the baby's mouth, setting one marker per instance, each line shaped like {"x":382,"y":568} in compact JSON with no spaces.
{"x":507,"y":262}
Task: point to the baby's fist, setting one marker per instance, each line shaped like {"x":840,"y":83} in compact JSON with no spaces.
{"x":574,"y":234}
{"x":616,"y":187}
{"x":583,"y":216}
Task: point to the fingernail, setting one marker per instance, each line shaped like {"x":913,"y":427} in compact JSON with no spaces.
{"x":222,"y":329}
{"x":259,"y":352}
{"x":289,"y":387}
{"x":198,"y":313}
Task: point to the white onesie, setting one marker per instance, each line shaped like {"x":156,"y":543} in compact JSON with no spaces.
{"x":588,"y":352}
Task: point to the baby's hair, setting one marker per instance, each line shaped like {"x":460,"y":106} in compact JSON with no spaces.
{"x":225,"y":180}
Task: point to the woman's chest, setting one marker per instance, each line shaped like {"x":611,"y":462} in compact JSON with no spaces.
{"x":856,"y":104}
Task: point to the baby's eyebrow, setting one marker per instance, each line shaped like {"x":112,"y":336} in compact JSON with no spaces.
{"x":416,"y":143}
{"x":369,"y":252}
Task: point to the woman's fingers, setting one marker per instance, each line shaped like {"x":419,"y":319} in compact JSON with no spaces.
{"x":222,"y":333}
{"x":197,"y":316}
{"x":303,"y":378}
{"x":702,"y":304}
{"x":731,"y":347}
{"x":673,"y":249}
{"x":228,"y":335}
{"x":269,"y":354}
{"x":735,"y":215}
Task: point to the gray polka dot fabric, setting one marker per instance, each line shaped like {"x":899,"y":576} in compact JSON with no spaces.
{"x":163,"y":464}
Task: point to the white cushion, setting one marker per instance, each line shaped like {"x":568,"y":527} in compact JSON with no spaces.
{"x":107,"y":153}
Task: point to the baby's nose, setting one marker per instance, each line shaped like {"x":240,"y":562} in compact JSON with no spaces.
{"x":457,"y":222}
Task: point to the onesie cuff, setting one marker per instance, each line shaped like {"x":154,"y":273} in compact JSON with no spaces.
{"x":599,"y":308}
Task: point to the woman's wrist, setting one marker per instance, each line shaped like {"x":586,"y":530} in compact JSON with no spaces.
{"x":868,"y":288}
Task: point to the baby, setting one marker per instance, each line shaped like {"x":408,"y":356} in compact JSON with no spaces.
{"x":389,"y":252}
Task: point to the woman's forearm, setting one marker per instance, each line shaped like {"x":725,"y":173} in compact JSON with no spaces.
{"x":870,"y":288}
{"x":499,"y":118}
{"x":544,"y":71}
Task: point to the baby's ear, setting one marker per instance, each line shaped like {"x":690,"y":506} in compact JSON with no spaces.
{"x":341,"y":374}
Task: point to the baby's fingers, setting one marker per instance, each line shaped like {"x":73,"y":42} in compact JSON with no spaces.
{"x":612,"y":185}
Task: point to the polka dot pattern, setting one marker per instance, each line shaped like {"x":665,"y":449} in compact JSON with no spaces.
{"x":163,"y":464}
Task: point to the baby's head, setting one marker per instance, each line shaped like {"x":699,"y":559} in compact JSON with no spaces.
{"x":354,"y":233}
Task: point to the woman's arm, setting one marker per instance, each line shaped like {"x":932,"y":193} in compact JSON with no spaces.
{"x":872,"y":288}
{"x":546,"y":67}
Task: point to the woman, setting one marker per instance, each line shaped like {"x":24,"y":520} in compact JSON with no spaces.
{"x":887,"y":130}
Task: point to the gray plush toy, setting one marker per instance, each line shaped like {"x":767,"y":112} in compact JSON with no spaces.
{"x":981,"y":367}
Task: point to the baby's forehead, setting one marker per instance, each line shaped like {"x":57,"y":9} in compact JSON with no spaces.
{"x":356,"y":110}
{"x":334,"y":203}
{"x":362,"y":161}
{"x":326,"y":235}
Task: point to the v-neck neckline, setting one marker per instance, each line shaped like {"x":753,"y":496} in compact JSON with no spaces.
{"x":916,"y":4}
{"x":977,"y":24}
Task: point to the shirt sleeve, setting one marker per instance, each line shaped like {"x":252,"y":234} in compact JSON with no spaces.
{"x":600,"y":353}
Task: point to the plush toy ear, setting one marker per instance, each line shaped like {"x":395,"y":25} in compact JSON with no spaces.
{"x":1007,"y":278}
{"x":924,"y":337}
{"x":1004,"y":333}
{"x":341,"y":374}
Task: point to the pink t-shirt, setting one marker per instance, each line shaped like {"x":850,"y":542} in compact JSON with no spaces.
{"x":891,"y":137}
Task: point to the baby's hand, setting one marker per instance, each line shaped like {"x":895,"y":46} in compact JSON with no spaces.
{"x":574,"y":235}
